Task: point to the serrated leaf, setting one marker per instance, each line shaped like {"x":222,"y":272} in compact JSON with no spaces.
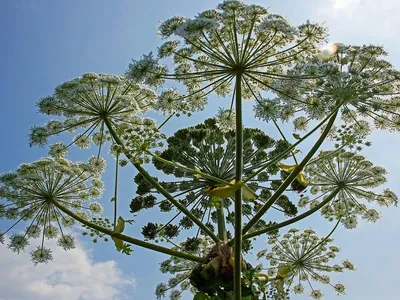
{"x":127,"y":249}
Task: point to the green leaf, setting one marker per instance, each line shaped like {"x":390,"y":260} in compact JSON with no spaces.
{"x":284,"y":270}
{"x":287,"y":168}
{"x":119,"y":244}
{"x":120,"y":225}
{"x":295,"y":151}
{"x":215,"y":202}
{"x":127,"y":249}
{"x":198,"y":175}
{"x":223,"y":191}
{"x":279,"y":286}
{"x":201,"y":296}
{"x":248,"y":193}
{"x":296,"y":136}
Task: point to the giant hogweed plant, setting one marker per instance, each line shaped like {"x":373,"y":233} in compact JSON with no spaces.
{"x":225,"y":185}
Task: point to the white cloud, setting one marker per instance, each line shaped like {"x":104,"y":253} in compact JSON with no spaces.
{"x":72,"y":275}
{"x":344,"y":4}
{"x":373,"y":20}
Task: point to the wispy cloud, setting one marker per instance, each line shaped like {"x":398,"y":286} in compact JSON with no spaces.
{"x":72,"y":275}
{"x":373,"y":19}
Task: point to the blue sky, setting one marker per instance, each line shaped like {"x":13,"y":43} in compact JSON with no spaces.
{"x":47,"y":42}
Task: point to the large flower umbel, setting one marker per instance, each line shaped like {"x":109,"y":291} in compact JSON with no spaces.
{"x":356,"y":177}
{"x":208,"y":151}
{"x":308,"y":258}
{"x":233,"y":40}
{"x":30,"y":195}
{"x":357,"y":78}
{"x":93,"y":103}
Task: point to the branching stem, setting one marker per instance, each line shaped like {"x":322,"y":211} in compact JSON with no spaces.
{"x":157,"y":186}
{"x":128,"y":239}
{"x":291,"y":177}
{"x":294,"y":219}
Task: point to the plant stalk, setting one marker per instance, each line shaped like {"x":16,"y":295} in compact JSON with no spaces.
{"x":238,"y":193}
{"x":129,"y":239}
{"x":287,"y":151}
{"x":221,"y":222}
{"x":294,"y":219}
{"x":291,"y":177}
{"x":116,"y":189}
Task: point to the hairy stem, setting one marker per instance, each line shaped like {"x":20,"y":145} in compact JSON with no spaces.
{"x":288,"y":150}
{"x":291,"y":177}
{"x":116,"y":189}
{"x":221,"y":222}
{"x":295,"y":219}
{"x":238,"y":193}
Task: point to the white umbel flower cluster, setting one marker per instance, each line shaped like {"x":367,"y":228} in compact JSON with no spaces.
{"x":225,"y":120}
{"x":356,"y":78}
{"x":31,"y":194}
{"x":309,"y":258}
{"x":94,"y":103}
{"x":217,"y":44}
{"x":356,"y":177}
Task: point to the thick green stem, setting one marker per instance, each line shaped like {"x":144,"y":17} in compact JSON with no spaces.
{"x":221,"y":222}
{"x":158,"y":187}
{"x":283,"y":136}
{"x":238,"y":193}
{"x":116,"y":189}
{"x":291,"y":177}
{"x":165,"y":121}
{"x":310,"y":251}
{"x":288,"y":150}
{"x":128,"y":239}
{"x":295,"y":219}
